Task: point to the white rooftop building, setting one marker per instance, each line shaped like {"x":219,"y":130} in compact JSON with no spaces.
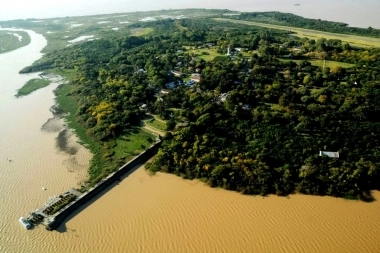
{"x":329,"y":154}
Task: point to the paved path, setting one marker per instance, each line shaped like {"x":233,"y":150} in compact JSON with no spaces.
{"x":153,"y":130}
{"x":156,"y":117}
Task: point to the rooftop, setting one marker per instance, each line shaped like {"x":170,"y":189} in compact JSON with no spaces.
{"x":329,"y":154}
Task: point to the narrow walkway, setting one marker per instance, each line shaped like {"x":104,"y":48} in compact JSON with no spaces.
{"x":153,"y":130}
{"x":156,"y":117}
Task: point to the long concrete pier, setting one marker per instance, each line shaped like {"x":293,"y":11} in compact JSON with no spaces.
{"x":52,"y":221}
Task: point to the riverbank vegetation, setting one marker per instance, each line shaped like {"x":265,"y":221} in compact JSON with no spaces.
{"x":32,"y":85}
{"x":107,"y":155}
{"x":253,"y":119}
{"x":12,"y":40}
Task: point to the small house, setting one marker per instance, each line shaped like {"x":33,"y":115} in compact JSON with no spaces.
{"x":195,"y":77}
{"x":329,"y":154}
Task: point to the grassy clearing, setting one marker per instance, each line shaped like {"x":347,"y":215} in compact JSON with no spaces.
{"x":357,"y":41}
{"x":246,"y":54}
{"x":178,"y":24}
{"x":220,"y":58}
{"x":319,"y":63}
{"x":205,"y":54}
{"x":152,"y":122}
{"x":54,"y":44}
{"x":67,"y":74}
{"x":141,"y":31}
{"x":9,"y":41}
{"x":32,"y":85}
{"x":132,"y":144}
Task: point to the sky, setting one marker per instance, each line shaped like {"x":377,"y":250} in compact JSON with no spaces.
{"x":362,"y":13}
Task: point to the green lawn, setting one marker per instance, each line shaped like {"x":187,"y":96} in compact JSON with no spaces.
{"x":319,"y":63}
{"x":208,"y":54}
{"x":32,"y":85}
{"x":141,"y":31}
{"x":132,"y":144}
{"x":152,"y":122}
{"x":187,"y":78}
{"x":353,"y":40}
{"x":67,"y":74}
{"x":246,"y":54}
{"x":220,"y":58}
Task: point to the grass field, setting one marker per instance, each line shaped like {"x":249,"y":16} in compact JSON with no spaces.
{"x":208,"y":54}
{"x":353,"y":40}
{"x":9,"y":40}
{"x":132,"y":144}
{"x":140,"y":31}
{"x":319,"y":63}
{"x":152,"y":122}
{"x":32,"y":85}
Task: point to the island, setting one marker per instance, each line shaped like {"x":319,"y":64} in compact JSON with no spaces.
{"x":240,"y":105}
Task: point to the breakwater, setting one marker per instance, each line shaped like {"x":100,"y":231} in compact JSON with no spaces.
{"x":53,"y":221}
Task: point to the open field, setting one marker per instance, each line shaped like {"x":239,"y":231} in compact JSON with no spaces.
{"x":140,"y":31}
{"x":319,"y":63}
{"x":155,"y":123}
{"x":134,"y":143}
{"x":32,"y":85}
{"x":11,"y":40}
{"x":357,"y":41}
{"x":205,"y":54}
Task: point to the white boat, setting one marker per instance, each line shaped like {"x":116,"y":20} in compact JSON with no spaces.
{"x":26,"y":224}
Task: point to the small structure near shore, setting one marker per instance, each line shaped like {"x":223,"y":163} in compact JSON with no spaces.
{"x":52,"y":206}
{"x":55,"y":211}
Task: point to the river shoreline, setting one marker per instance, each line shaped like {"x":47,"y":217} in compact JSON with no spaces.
{"x":165,"y":213}
{"x":36,"y":162}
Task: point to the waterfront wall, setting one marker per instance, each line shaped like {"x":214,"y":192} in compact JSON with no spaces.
{"x":55,"y":220}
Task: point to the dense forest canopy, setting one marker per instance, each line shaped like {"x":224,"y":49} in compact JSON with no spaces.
{"x":256,"y":120}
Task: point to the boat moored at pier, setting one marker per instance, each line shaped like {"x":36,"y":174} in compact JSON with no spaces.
{"x":25,"y":223}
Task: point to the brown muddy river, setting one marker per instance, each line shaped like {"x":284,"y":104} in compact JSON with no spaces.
{"x":164,"y":213}
{"x":144,"y":213}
